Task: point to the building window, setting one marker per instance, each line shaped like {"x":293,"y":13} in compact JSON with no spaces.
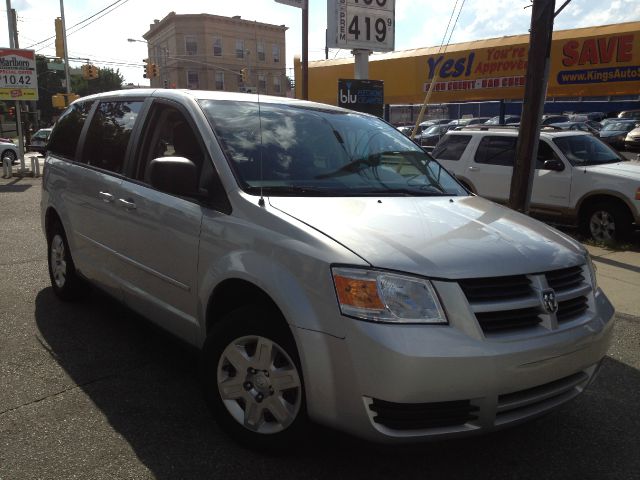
{"x":239,"y":48}
{"x":193,"y":81}
{"x":217,"y":47}
{"x":219,"y":80}
{"x":276,"y":53}
{"x":277,"y":85}
{"x":261,"y":51}
{"x":190,"y":45}
{"x":262,"y":82}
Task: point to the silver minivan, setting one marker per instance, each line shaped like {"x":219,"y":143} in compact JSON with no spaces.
{"x":329,"y":270}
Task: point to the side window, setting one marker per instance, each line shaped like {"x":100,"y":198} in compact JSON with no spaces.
{"x":497,"y":151}
{"x":545,"y":152}
{"x":108,"y":134}
{"x":451,"y":147}
{"x":168,"y":134}
{"x":66,"y":133}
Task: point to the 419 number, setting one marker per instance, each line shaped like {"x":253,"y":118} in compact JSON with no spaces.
{"x":380,"y":26}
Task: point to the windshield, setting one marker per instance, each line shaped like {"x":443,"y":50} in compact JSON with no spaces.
{"x":619,"y":126}
{"x":587,"y":150}
{"x":434,"y":130}
{"x":299,"y":150}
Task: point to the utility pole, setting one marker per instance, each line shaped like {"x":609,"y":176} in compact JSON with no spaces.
{"x":305,"y":50}
{"x":67,"y":79}
{"x":13,"y":43}
{"x":535,"y":90}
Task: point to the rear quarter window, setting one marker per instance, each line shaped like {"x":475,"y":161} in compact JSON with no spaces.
{"x":66,"y":133}
{"x":497,"y":151}
{"x":451,"y":147}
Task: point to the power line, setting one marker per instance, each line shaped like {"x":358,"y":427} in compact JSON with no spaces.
{"x":79,"y":23}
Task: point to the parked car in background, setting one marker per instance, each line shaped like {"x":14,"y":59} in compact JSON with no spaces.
{"x":406,"y":130}
{"x":329,"y":272}
{"x":583,"y":117}
{"x":39,"y":140}
{"x":614,"y":133}
{"x":549,"y":119}
{"x":581,"y":126}
{"x":507,"y":120}
{"x":9,"y":150}
{"x":630,"y":114}
{"x":578,"y":179}
{"x":632,"y":140}
{"x":478,"y":120}
{"x":460,"y":122}
{"x":431,"y":136}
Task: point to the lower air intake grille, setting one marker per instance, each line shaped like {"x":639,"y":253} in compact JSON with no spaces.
{"x":415,"y":416}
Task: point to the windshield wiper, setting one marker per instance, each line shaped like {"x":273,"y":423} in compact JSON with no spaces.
{"x":290,"y":190}
{"x":353,"y":166}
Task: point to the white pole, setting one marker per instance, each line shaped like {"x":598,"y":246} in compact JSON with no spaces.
{"x":361,"y":63}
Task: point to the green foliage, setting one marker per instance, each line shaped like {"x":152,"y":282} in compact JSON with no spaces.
{"x":107,"y":81}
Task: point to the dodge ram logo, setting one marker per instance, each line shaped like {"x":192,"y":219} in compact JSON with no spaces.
{"x":549,"y":301}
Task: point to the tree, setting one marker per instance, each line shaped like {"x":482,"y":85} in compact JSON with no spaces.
{"x":108,"y":79}
{"x":49,"y":83}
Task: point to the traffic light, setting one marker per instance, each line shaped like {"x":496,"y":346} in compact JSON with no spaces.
{"x":244,"y":75}
{"x":93,"y":72}
{"x":89,"y":72}
{"x":12,"y":112}
{"x":153,"y":70}
{"x":59,"y":38}
{"x":147,"y":68}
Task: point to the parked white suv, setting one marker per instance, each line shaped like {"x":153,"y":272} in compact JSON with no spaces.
{"x":327,"y":267}
{"x":578,"y":179}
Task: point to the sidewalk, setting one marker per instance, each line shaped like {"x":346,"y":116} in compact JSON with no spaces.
{"x":618,"y":274}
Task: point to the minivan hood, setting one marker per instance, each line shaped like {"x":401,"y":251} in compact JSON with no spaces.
{"x":439,"y":237}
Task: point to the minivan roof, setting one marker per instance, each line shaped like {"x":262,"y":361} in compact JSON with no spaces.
{"x":210,"y":95}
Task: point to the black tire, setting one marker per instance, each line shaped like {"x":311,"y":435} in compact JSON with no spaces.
{"x":250,"y":389}
{"x":66,"y":283}
{"x":607,"y":221}
{"x":9,"y":153}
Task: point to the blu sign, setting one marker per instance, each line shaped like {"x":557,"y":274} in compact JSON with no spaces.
{"x":365,"y":96}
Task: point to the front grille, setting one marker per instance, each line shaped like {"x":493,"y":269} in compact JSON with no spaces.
{"x":496,"y":288}
{"x":416,"y":416}
{"x":570,"y":309}
{"x":508,"y":319}
{"x":565,"y":279}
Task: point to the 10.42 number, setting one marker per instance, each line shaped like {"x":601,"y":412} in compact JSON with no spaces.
{"x":16,"y":79}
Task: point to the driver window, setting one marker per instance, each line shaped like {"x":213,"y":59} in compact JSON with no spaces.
{"x":545,"y":152}
{"x":168,"y":134}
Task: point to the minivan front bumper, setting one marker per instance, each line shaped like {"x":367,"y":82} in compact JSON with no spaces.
{"x":391,"y":383}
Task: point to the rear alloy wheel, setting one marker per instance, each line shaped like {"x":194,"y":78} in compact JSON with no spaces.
{"x":66,"y":283}
{"x":608,"y":222}
{"x":252,"y":380}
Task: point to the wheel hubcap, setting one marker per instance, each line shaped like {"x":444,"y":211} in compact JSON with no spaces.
{"x":602,"y":226}
{"x":259,"y":384}
{"x":57,"y":261}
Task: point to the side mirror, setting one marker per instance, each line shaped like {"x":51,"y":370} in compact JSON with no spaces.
{"x":175,"y":175}
{"x":555,"y":165}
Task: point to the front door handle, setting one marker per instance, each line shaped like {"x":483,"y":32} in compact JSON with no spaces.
{"x":105,"y":197}
{"x":128,"y":204}
{"x":473,"y":169}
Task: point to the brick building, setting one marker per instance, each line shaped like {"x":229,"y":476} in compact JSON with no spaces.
{"x":210,"y":52}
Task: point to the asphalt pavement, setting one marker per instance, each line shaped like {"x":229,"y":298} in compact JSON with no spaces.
{"x":91,"y":390}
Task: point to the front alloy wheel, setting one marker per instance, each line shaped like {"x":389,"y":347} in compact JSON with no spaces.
{"x":602,"y":226}
{"x":259,"y":384}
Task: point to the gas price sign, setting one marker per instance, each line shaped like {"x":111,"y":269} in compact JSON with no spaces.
{"x":18,"y":78}
{"x":364,"y":24}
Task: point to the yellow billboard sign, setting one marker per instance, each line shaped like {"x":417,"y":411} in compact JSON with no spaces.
{"x":597,"y":61}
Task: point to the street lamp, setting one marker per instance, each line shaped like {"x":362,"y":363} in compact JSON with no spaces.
{"x":136,"y":40}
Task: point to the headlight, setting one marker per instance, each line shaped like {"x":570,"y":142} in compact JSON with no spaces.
{"x":592,"y":272}
{"x":386,"y":297}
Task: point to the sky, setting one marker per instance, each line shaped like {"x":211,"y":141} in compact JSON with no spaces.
{"x":419,"y":23}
